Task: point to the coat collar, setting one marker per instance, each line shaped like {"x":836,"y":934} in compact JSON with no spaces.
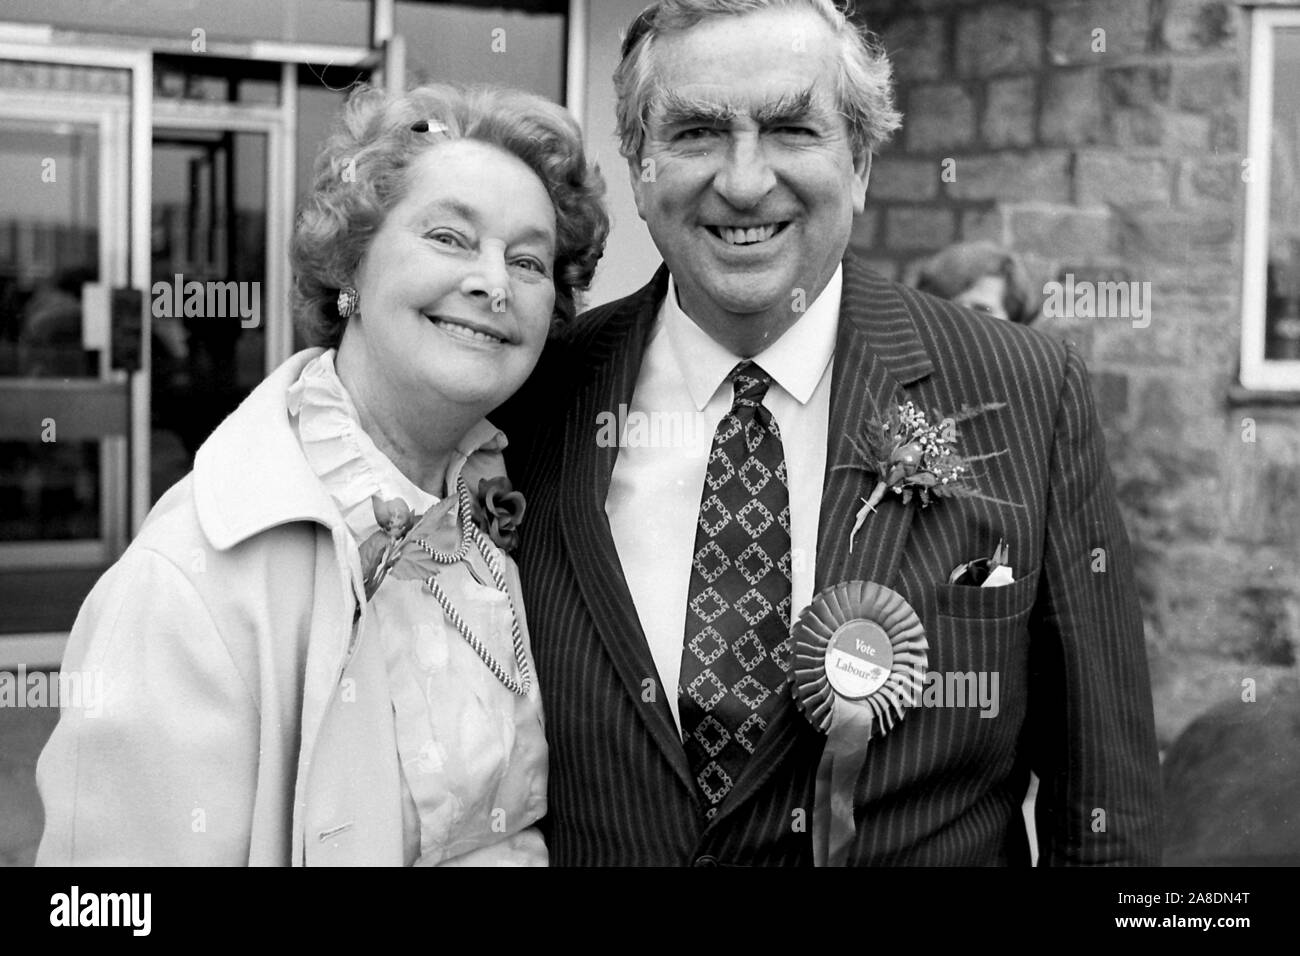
{"x":872,"y":307}
{"x":251,"y":475}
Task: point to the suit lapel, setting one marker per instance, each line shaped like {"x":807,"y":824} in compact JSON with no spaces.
{"x":877,"y":350}
{"x":615,"y":354}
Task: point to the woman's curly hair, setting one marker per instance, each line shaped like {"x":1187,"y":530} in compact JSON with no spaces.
{"x":362,"y":173}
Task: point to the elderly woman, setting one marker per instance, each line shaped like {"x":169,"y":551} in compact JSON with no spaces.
{"x":981,"y":276}
{"x":315,"y":651}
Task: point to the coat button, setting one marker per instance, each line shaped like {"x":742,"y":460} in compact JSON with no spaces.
{"x":706,"y":860}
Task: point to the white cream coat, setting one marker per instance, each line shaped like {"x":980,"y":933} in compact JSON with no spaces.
{"x":227,"y":734}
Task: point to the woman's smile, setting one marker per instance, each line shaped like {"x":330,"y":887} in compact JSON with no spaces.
{"x":470,"y":331}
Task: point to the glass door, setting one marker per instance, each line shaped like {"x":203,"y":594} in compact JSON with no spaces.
{"x":49,"y":252}
{"x":210,"y":215}
{"x":221,"y":213}
{"x":67,"y":222}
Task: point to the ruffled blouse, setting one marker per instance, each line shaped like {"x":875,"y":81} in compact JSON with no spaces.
{"x":472,"y":753}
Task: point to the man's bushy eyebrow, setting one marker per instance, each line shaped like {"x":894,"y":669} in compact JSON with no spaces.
{"x":791,"y":106}
{"x":673,"y":108}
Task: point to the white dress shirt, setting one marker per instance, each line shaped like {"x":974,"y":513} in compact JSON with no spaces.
{"x":665,"y":436}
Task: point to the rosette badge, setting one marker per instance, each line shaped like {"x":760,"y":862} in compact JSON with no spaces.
{"x":859,"y":663}
{"x":860,"y":643}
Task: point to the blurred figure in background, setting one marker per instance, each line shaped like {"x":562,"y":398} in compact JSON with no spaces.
{"x":982,"y":276}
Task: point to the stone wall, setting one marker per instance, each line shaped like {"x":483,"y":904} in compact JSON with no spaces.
{"x":1119,"y":153}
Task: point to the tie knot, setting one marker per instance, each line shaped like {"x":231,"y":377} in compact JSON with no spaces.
{"x":750,"y":384}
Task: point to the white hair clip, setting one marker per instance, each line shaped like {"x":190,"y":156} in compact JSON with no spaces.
{"x":425,"y":126}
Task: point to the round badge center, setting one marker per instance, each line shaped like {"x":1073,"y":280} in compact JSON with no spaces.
{"x":859,"y":658}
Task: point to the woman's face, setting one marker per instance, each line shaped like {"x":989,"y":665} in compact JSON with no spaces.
{"x":988,"y":294}
{"x":456,"y":288}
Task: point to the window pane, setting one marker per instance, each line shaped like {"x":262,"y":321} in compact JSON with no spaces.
{"x":49,"y":248}
{"x":216,"y":80}
{"x":457,"y":44}
{"x":49,"y":245}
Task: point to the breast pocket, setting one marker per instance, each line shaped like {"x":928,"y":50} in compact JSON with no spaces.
{"x":979,"y":636}
{"x":988,"y":604}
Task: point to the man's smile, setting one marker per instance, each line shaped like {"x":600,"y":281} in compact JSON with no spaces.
{"x":747,"y":235}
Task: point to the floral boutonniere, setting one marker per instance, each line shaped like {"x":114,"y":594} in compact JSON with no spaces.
{"x":499,"y":511}
{"x":911,"y":455}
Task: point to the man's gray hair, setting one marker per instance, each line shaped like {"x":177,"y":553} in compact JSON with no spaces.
{"x":863,"y":89}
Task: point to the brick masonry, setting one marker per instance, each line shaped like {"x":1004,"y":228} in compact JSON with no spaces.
{"x":1121,"y":150}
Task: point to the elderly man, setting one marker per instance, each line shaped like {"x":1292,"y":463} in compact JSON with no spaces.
{"x":697,"y":466}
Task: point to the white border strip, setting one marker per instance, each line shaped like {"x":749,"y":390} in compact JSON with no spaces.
{"x":575,"y":70}
{"x":141,"y":268}
{"x":279,"y":334}
{"x":1258,"y":373}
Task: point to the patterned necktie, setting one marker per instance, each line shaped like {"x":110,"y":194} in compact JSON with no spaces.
{"x":738,"y":617}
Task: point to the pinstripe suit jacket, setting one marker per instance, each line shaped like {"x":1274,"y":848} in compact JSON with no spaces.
{"x":946,"y":785}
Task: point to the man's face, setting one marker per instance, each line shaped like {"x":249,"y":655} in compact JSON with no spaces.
{"x":747,"y":180}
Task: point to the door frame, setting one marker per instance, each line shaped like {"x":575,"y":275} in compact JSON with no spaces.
{"x":123,"y":260}
{"x":109,"y":115}
{"x":278,"y":125}
{"x":129,"y":265}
